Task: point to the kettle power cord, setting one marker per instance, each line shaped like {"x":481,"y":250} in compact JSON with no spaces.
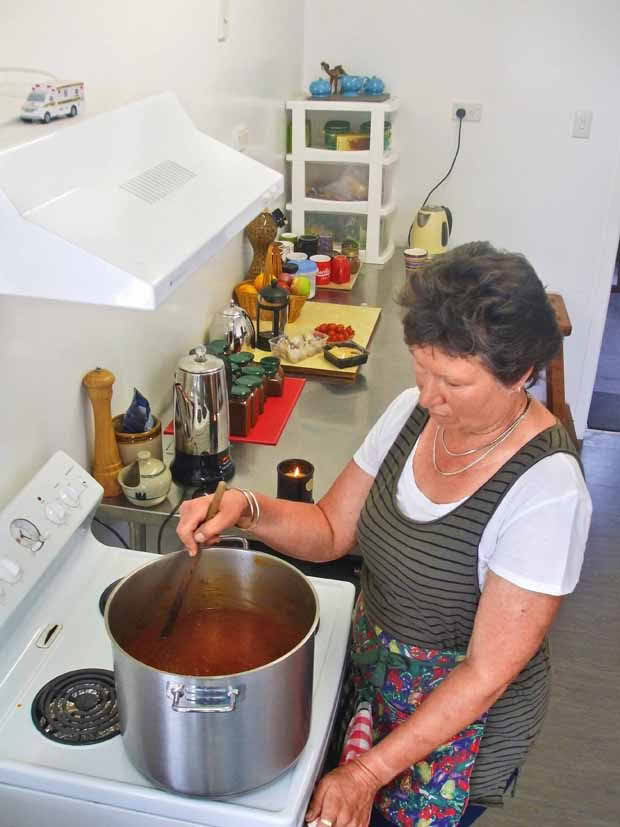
{"x":460,"y":114}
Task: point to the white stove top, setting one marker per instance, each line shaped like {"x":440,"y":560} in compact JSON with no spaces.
{"x":59,"y":585}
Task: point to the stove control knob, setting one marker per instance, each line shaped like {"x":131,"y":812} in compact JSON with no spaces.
{"x":56,"y":512}
{"x":10,"y":571}
{"x":70,"y":496}
{"x":27,"y":534}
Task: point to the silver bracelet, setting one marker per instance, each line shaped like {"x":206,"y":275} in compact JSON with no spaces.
{"x":245,"y":523}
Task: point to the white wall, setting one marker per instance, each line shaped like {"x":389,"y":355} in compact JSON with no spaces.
{"x":521,"y":181}
{"x":125,"y":51}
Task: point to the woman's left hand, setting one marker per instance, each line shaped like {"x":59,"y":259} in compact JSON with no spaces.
{"x":344,"y":797}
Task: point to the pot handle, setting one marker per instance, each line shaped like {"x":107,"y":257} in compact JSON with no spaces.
{"x":201,"y":698}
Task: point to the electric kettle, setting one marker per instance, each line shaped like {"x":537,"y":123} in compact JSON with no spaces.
{"x":201,"y":422}
{"x":431,"y":229}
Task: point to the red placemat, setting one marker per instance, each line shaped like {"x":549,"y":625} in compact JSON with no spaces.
{"x":271,"y":422}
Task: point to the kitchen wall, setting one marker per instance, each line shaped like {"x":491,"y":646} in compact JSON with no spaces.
{"x":521,"y":180}
{"x":123,"y":52}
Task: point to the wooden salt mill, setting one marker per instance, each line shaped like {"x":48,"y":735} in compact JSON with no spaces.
{"x":107,"y":463}
{"x":260,"y":232}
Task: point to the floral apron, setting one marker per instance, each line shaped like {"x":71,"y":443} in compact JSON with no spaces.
{"x":388,"y":681}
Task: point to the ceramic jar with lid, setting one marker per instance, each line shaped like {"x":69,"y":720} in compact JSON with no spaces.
{"x":149,"y":483}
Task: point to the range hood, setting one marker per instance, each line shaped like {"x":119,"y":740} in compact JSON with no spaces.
{"x":118,"y":209}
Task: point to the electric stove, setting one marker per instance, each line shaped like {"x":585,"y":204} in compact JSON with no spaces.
{"x":62,"y":761}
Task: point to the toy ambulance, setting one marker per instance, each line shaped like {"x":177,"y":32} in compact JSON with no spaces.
{"x":47,"y":101}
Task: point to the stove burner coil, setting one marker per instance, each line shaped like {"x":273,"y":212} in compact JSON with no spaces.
{"x":105,"y":594}
{"x":78,"y":708}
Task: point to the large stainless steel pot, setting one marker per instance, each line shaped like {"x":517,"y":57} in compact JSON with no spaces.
{"x":214,"y":735}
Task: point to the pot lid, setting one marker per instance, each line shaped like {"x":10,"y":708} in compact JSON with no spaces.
{"x":199,"y":360}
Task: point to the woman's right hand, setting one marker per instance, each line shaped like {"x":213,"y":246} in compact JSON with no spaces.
{"x":193,"y":529}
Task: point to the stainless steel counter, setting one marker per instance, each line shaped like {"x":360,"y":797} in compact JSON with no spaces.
{"x":331,"y":417}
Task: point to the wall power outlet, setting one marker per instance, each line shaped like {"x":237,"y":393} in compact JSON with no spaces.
{"x":473,"y":111}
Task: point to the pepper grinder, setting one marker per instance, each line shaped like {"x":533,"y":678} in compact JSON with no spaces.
{"x":107,"y":462}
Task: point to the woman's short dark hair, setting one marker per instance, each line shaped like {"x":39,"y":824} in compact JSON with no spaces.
{"x":479,"y":301}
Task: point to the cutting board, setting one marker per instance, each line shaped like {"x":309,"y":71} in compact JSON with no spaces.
{"x":362,"y":319}
{"x":348,"y":285}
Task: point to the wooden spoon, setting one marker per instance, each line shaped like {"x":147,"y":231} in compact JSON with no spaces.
{"x":191,"y":564}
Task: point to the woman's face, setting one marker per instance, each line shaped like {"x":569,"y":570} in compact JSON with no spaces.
{"x":459,"y":391}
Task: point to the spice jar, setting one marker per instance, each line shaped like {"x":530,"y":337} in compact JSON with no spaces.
{"x":253,"y":398}
{"x":241,"y":411}
{"x":219,"y":348}
{"x":258,"y":372}
{"x":241,"y":359}
{"x":268,"y":361}
{"x":255,"y":384}
{"x":274,"y":379}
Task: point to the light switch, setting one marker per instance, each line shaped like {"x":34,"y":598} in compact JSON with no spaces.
{"x":582,"y":123}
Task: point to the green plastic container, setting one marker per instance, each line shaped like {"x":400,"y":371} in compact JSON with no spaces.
{"x":333,"y":128}
{"x":387,"y":133}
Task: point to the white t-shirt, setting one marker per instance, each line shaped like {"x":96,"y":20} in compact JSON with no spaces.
{"x":537,"y":535}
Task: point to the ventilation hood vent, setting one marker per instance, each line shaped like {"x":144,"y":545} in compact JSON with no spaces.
{"x":118,"y":209}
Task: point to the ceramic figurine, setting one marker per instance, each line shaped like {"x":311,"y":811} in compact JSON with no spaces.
{"x":47,"y":101}
{"x":334,"y":75}
{"x":320,"y":88}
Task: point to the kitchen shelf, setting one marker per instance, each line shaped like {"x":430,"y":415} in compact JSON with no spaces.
{"x":331,"y":156}
{"x":378,"y":245}
{"x":354,"y":207}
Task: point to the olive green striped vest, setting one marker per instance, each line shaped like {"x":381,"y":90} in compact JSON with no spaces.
{"x":420,"y":585}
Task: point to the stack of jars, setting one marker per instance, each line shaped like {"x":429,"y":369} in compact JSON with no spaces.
{"x":252,"y":383}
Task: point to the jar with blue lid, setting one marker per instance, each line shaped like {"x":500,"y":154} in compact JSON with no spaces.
{"x":309,"y":270}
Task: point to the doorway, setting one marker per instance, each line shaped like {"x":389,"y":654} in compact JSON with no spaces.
{"x":604,"y":414}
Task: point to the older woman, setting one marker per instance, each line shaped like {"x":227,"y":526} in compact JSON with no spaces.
{"x":468,"y":504}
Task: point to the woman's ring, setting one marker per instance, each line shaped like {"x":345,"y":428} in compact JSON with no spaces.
{"x":326,"y":822}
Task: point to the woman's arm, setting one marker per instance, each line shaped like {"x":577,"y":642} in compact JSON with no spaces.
{"x":318,"y":532}
{"x":509,"y":628}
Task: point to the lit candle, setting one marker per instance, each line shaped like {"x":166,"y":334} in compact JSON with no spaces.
{"x":295,"y":480}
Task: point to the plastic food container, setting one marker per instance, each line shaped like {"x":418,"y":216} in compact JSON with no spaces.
{"x":297,"y":348}
{"x":387,"y":133}
{"x":333,"y":128}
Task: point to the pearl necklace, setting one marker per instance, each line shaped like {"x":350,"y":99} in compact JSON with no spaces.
{"x":488,"y":448}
